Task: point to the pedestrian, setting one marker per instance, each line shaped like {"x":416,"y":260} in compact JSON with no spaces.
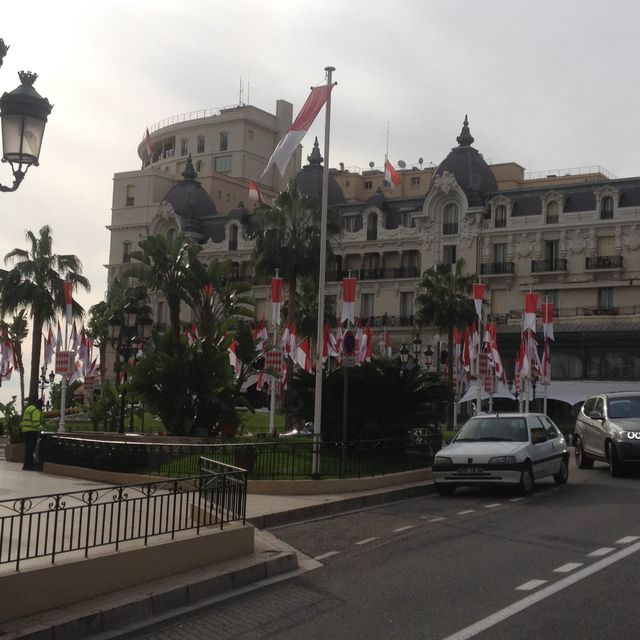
{"x":31,"y":425}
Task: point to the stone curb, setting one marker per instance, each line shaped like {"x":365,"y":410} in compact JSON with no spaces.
{"x":339,"y":506}
{"x":107,"y":619}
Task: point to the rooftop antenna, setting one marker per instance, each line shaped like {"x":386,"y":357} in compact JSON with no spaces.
{"x":241,"y":92}
{"x":248,"y":90}
{"x":386,"y":153}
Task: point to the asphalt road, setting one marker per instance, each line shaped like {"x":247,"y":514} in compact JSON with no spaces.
{"x":487,"y":564}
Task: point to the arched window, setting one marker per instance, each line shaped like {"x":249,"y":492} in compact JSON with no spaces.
{"x":171,"y":235}
{"x":233,"y":237}
{"x":450,"y":220}
{"x":372,"y":227}
{"x":501,"y":216}
{"x":606,"y":208}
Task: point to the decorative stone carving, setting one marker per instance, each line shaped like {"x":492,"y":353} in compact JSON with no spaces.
{"x":632,"y":238}
{"x":524,"y":245}
{"x":578,"y":243}
{"x":445,"y":183}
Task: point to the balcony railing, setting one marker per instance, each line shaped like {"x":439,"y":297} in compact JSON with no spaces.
{"x":375,"y":274}
{"x":603,"y":262}
{"x":540,"y":266}
{"x":497,"y":268}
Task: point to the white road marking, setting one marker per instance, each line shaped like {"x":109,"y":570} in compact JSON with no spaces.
{"x":326,"y":555}
{"x":399,"y":529}
{"x":438,"y":519}
{"x":464,"y":513}
{"x":602,"y":551}
{"x":367,"y":540}
{"x":538,"y":596}
{"x":491,"y":506}
{"x":627,"y":539}
{"x":531,"y":585}
{"x":516,"y":499}
{"x":566,"y":568}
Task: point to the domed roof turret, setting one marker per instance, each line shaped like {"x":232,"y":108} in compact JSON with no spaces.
{"x":309,"y":179}
{"x":469,"y":168}
{"x":190,"y":200}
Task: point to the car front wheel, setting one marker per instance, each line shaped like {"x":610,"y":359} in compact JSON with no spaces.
{"x":526,"y":480}
{"x":583,"y":461}
{"x":616,"y":466}
{"x":563,"y":474}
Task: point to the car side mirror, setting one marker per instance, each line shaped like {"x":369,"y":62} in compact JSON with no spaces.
{"x":596,"y":415}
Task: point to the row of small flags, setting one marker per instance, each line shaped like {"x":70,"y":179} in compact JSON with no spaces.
{"x":80,"y":352}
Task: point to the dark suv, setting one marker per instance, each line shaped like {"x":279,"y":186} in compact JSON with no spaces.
{"x":608,"y":429}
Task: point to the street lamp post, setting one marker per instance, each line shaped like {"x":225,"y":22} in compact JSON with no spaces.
{"x":127,"y":337}
{"x":24,"y":113}
{"x":428,"y":357}
{"x":534,"y":384}
{"x":404,"y":357}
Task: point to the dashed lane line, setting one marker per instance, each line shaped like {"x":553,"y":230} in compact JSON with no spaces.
{"x":567,"y":568}
{"x":546,"y":592}
{"x":466,"y":511}
{"x":324,"y":556}
{"x":627,"y":539}
{"x":531,"y":585}
{"x":399,"y":529}
{"x":367,"y":540}
{"x":516,"y":499}
{"x":602,"y":551}
{"x":492,"y":506}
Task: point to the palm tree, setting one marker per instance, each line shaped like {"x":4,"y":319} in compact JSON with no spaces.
{"x":36,"y":281}
{"x":446,"y":303}
{"x":162,"y":265}
{"x":289,"y":240}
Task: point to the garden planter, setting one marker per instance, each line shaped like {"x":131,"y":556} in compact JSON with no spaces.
{"x":229,"y":427}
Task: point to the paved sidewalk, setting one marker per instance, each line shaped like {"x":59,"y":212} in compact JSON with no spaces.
{"x":112,"y":615}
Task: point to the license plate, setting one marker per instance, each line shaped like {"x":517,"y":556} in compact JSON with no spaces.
{"x":471,"y":470}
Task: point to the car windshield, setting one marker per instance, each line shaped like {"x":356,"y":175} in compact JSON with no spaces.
{"x":624,"y":407}
{"x":494,"y":429}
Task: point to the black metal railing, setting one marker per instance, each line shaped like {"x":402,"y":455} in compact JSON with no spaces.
{"x":603,"y":262}
{"x":496,"y":268}
{"x":46,"y":526}
{"x":538,"y":266}
{"x":390,"y":273}
{"x":277,"y":459}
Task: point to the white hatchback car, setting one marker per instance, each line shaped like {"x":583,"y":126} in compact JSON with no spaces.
{"x":506,"y":448}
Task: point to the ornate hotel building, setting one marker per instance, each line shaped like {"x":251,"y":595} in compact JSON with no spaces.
{"x":572,"y":235}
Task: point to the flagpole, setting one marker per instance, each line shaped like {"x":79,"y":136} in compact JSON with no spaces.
{"x":274,"y":380}
{"x":317,"y":411}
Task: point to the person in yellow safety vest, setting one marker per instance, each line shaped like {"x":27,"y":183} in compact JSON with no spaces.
{"x":31,"y":425}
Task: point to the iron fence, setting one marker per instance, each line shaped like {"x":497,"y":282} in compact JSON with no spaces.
{"x":49,"y":525}
{"x":275,"y":459}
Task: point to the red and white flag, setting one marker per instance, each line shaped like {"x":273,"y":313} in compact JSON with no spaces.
{"x":368,"y":334}
{"x":59,"y":338}
{"x":348,"y":299}
{"x":303,"y":355}
{"x":547,"y":320}
{"x":478,"y":295}
{"x":286,"y":339}
{"x":361,"y":343}
{"x":276,"y":299}
{"x":523,"y":363}
{"x":147,"y":142}
{"x":388,"y":344}
{"x":261,"y":336}
{"x":48,"y":348}
{"x":254,"y":192}
{"x":287,"y":146}
{"x":391,"y":176}
{"x":68,"y":299}
{"x":530,"y":310}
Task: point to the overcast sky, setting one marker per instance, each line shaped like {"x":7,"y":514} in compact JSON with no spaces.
{"x":548,"y":85}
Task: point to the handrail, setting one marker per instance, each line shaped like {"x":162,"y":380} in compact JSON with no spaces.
{"x":46,"y":526}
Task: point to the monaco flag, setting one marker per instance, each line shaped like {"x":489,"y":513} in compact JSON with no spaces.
{"x":147,"y":142}
{"x":287,"y":146}
{"x":254,"y":192}
{"x":530,"y":310}
{"x":348,"y":299}
{"x":547,"y":320}
{"x":303,"y":355}
{"x":276,"y":299}
{"x":478,"y":295}
{"x":391,"y":175}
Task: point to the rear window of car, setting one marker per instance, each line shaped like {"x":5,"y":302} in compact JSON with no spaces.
{"x":494,"y":429}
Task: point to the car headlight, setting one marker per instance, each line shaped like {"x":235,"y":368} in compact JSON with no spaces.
{"x":442,"y":460}
{"x":502,"y":460}
{"x":629,"y":435}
